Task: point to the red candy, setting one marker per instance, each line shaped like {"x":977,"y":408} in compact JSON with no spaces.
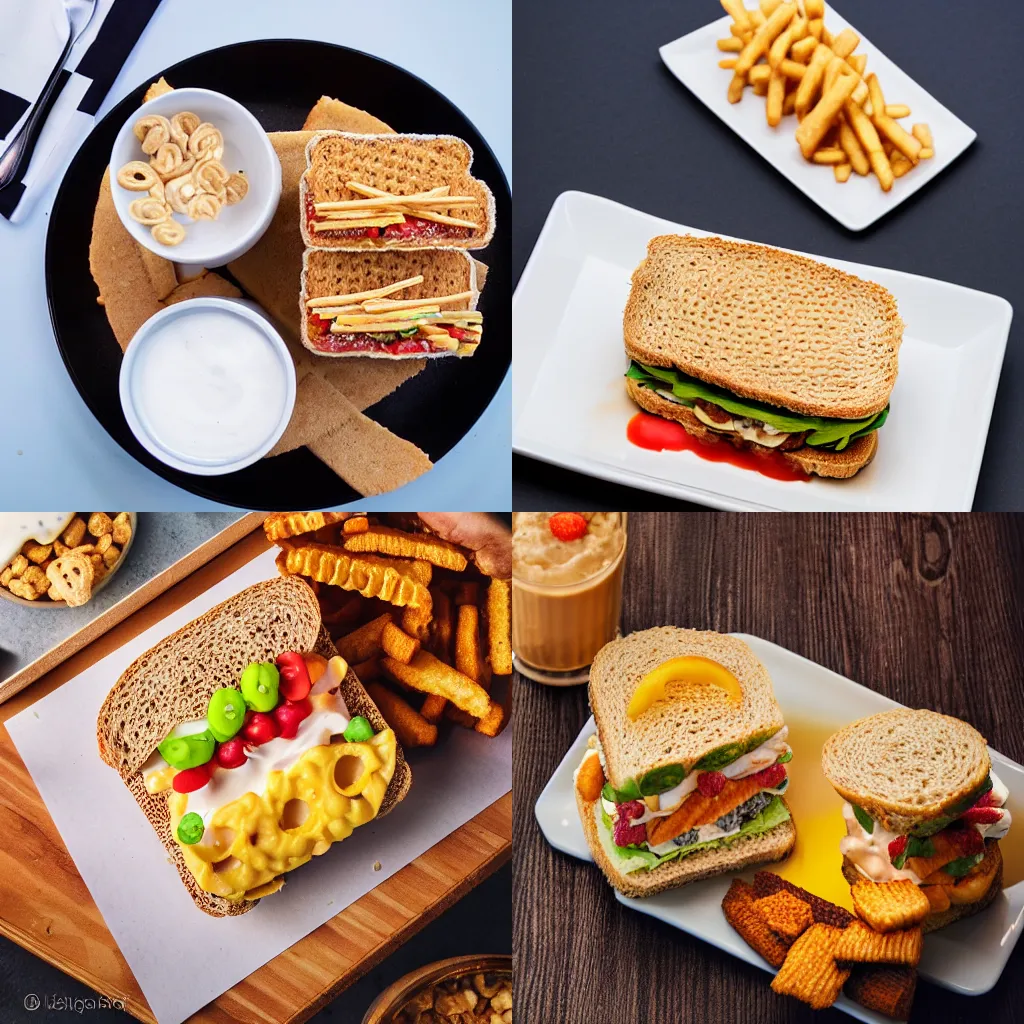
{"x":231,"y":753}
{"x":771,"y":777}
{"x":191,"y":779}
{"x":982,"y":815}
{"x":711,"y":783}
{"x":260,"y":728}
{"x":897,"y":846}
{"x":623,"y":833}
{"x":288,"y":716}
{"x":294,"y":683}
{"x":567,"y":525}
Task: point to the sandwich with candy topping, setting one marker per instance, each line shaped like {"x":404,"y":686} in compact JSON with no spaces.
{"x":686,"y":774}
{"x":921,"y":803}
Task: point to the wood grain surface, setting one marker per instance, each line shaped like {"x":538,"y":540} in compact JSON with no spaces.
{"x":926,"y":609}
{"x":46,"y":907}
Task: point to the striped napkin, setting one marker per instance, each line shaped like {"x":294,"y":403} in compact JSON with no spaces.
{"x":32,"y":35}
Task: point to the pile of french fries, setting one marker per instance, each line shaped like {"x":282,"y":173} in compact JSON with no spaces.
{"x":418,"y":623}
{"x":786,"y":54}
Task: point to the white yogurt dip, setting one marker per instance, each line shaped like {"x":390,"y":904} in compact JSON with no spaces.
{"x":209,"y":386}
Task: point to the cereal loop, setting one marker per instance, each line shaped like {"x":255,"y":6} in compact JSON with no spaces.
{"x":235,"y":188}
{"x":206,"y":139}
{"x":149,"y":211}
{"x":155,"y":130}
{"x":168,"y":232}
{"x":137,"y":176}
{"x":178,"y":191}
{"x":204,"y":207}
{"x":182,"y":126}
{"x":167,"y":160}
{"x":211,"y":176}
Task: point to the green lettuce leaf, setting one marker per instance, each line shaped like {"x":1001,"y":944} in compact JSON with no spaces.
{"x":635,"y":858}
{"x":825,"y":433}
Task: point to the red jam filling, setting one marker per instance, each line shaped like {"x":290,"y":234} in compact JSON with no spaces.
{"x":325,"y":341}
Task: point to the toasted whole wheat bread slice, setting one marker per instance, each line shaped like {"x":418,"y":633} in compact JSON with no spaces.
{"x":955,"y":911}
{"x":172,"y":683}
{"x":402,"y":165}
{"x":765,"y":324}
{"x":331,"y":272}
{"x":764,"y":848}
{"x":819,"y":461}
{"x":905,"y":767}
{"x":693,"y":720}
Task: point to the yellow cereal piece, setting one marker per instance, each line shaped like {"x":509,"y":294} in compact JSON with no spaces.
{"x":887,"y":906}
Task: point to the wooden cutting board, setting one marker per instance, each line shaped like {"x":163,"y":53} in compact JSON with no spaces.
{"x":46,"y":907}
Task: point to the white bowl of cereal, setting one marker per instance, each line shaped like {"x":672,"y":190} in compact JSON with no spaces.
{"x":71,"y":563}
{"x":194,"y":177}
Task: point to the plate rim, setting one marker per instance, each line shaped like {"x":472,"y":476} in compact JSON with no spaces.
{"x":560,"y":209}
{"x":205,"y":486}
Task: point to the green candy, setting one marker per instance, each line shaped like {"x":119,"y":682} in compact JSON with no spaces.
{"x":225,"y":713}
{"x":259,"y":683}
{"x":358,"y":730}
{"x":190,"y":829}
{"x":183,"y":752}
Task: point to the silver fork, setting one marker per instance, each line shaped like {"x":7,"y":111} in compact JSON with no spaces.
{"x":19,"y":151}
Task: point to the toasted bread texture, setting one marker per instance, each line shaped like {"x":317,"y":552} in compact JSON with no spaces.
{"x":817,"y":461}
{"x":172,"y":683}
{"x":331,"y":272}
{"x":765,"y":324}
{"x":692,"y":720}
{"x":332,"y":114}
{"x":906,"y":767}
{"x":955,"y":911}
{"x":401,"y":165}
{"x":764,"y":848}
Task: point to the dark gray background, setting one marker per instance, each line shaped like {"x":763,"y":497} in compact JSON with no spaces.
{"x":596,"y":110}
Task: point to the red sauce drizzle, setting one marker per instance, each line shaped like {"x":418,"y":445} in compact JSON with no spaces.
{"x":658,"y":434}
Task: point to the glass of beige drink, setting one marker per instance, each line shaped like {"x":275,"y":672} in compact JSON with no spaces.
{"x":566,"y":594}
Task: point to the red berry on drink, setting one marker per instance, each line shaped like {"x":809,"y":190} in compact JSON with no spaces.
{"x":567,"y":525}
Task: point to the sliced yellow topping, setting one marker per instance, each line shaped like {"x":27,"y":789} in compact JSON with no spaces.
{"x":688,"y":670}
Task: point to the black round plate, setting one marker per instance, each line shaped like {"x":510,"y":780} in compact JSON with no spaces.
{"x":279,"y":80}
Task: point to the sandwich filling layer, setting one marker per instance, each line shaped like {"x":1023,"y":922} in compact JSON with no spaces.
{"x":949,"y":857}
{"x":769,"y":426}
{"x":671,"y":814}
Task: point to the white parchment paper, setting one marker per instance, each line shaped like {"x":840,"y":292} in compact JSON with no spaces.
{"x":137,"y":888}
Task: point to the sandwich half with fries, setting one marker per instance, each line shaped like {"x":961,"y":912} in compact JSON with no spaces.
{"x":685,"y":777}
{"x":390,"y":305}
{"x":393,"y":192}
{"x":762,"y":349}
{"x":250,"y":745}
{"x":923,"y":805}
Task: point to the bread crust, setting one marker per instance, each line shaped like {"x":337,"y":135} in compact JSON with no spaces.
{"x":817,"y":461}
{"x":766,"y":848}
{"x":955,"y":911}
{"x":765,"y":324}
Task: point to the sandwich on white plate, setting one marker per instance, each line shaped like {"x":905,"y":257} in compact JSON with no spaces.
{"x":686,"y":775}
{"x":923,"y":804}
{"x":762,"y":349}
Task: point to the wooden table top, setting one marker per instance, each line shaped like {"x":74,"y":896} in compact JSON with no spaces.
{"x":926,"y":609}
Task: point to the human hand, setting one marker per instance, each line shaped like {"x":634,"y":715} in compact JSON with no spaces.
{"x":488,"y":538}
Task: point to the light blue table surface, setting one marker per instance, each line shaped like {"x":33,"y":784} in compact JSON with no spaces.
{"x":51,"y":448}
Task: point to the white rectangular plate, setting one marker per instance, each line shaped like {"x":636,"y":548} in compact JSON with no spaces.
{"x":967,"y":957}
{"x":693,"y":59}
{"x":570,"y":405}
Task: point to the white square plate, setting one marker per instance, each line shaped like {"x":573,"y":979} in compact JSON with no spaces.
{"x":694,"y":58}
{"x":967,"y":957}
{"x":570,"y":405}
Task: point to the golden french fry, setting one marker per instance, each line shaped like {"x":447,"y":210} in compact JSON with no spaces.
{"x":499,"y":627}
{"x":804,"y":49}
{"x":814,"y":8}
{"x":490,"y":724}
{"x":759,"y":74}
{"x":427,"y":674}
{"x":736,"y":87}
{"x":897,"y":110}
{"x":859,"y":62}
{"x":875,"y":94}
{"x":364,"y":642}
{"x":433,"y":708}
{"x":411,"y":728}
{"x":868,"y":137}
{"x":739,"y":14}
{"x":397,"y":644}
{"x":842,"y":172}
{"x":851,"y":146}
{"x":357,"y":524}
{"x":785,"y":39}
{"x":468,"y":656}
{"x":727,"y":63}
{"x":789,"y":103}
{"x":761,"y":88}
{"x":776,"y":94}
{"x":909,"y":146}
{"x":923,"y":134}
{"x":900,"y":165}
{"x":815,"y":27}
{"x":845,"y":43}
{"x":757,"y":18}
{"x":826,"y":37}
{"x":831,"y":156}
{"x":369,"y":669}
{"x":764,"y":37}
{"x":817,"y":123}
{"x":811,"y":82}
{"x":792,"y":69}
{"x":730,"y":45}
{"x":769,"y":7}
